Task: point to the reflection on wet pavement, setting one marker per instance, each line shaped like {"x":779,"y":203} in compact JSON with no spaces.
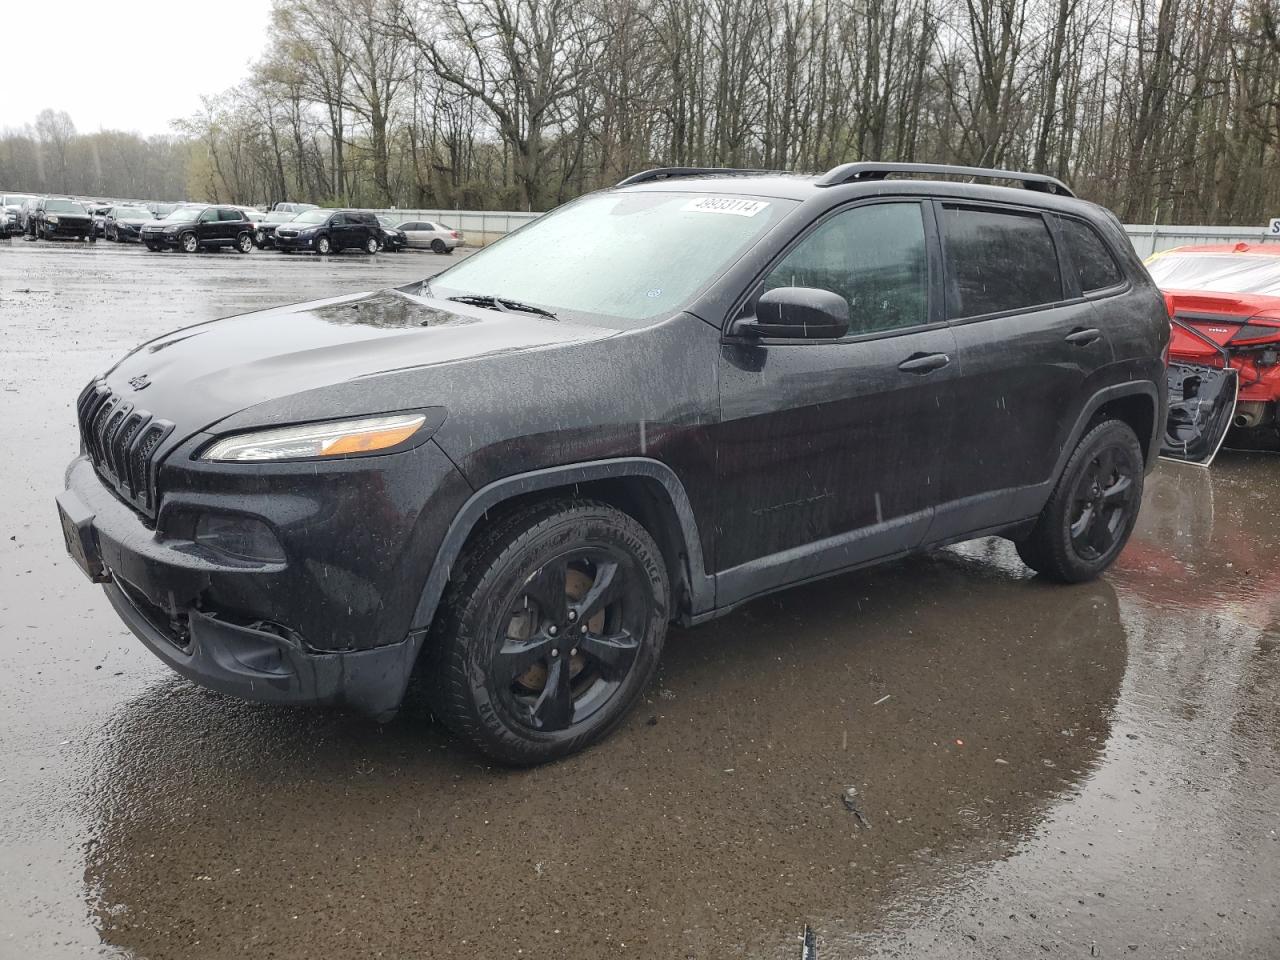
{"x":1084,"y":771}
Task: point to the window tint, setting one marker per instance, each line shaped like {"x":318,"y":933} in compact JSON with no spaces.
{"x":1095,"y":266}
{"x":998,"y":261}
{"x":874,"y":257}
{"x":226,"y":213}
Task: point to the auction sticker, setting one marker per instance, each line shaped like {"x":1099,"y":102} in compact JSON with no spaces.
{"x":730,"y":205}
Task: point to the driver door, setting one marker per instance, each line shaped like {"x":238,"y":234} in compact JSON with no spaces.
{"x":831,"y":452}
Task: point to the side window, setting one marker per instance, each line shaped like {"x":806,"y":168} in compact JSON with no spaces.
{"x":874,"y":257}
{"x":426,"y":225}
{"x":207,"y":216}
{"x":226,"y":213}
{"x":1095,"y":266}
{"x":998,"y":260}
{"x":338,"y":220}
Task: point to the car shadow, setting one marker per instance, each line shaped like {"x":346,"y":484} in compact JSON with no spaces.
{"x":957,"y":697}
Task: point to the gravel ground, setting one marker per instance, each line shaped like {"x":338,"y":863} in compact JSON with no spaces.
{"x":1037,"y":770}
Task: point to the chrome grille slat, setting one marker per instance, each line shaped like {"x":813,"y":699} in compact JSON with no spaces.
{"x":122,"y":442}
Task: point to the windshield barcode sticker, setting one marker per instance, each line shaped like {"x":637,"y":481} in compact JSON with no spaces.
{"x":732,"y":205}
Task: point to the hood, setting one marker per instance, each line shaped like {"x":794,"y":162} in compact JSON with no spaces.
{"x":133,"y":221}
{"x":290,"y":358}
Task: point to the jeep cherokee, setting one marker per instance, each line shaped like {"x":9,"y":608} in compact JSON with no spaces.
{"x":653,"y":404}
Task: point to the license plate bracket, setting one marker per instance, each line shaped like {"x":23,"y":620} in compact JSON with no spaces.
{"x":77,"y":532}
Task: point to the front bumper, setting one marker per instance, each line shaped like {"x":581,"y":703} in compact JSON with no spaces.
{"x":67,"y":229}
{"x":159,"y":239}
{"x":332,"y":624}
{"x":294,"y":243}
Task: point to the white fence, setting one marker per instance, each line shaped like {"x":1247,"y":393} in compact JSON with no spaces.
{"x":1153,"y":239}
{"x":485,"y":226}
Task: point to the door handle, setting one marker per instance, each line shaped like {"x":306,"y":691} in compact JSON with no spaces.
{"x":1082,"y":337}
{"x":924,"y":362}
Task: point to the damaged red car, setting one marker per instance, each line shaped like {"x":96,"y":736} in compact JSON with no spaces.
{"x":1224,"y":353}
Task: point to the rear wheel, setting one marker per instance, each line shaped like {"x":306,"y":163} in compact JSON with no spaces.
{"x":1091,"y":513}
{"x":371,"y":245}
{"x":244,"y":243}
{"x":437,"y":246}
{"x":551,"y":628}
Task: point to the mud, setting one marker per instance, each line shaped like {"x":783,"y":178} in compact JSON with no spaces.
{"x":1077,"y":772}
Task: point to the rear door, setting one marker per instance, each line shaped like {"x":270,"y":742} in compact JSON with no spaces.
{"x":1030,"y":345}
{"x":231,"y":222}
{"x":831,"y":453}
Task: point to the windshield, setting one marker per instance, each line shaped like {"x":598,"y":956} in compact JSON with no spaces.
{"x":131,"y":213}
{"x":63,"y":206}
{"x":312,"y":216}
{"x":388,"y":222}
{"x":1217,"y":272}
{"x":15,"y":199}
{"x":185,"y":214}
{"x":629,"y":255}
{"x":280,"y":216}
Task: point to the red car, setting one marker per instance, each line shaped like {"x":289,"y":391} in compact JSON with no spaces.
{"x":1224,"y":301}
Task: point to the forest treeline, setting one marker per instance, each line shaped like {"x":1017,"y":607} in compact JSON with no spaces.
{"x":1164,"y":111}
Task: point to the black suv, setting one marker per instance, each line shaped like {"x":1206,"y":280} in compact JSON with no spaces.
{"x":330,"y":231}
{"x":54,"y":218}
{"x":653,"y":404}
{"x":194,"y":227}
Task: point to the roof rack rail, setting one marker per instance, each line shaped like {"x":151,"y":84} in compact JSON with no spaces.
{"x":854,"y":172}
{"x":668,"y":173}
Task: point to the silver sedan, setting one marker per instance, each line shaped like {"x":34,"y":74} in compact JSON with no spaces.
{"x":431,"y":234}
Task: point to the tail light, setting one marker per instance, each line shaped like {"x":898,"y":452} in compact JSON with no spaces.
{"x":1256,"y":332}
{"x":454,"y":234}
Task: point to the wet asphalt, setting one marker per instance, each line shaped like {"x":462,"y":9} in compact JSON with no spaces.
{"x":1038,"y":770}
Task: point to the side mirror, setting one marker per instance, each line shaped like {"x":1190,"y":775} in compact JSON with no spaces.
{"x":797,"y":313}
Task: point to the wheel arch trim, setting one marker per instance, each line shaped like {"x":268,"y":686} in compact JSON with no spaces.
{"x":701,"y":585}
{"x":1100,"y":399}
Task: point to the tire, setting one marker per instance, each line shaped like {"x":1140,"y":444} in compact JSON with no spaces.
{"x":259,"y":239}
{"x":323,"y":245}
{"x":189,"y":243}
{"x":1093,"y":508}
{"x":244,"y":243}
{"x":493,"y":641}
{"x":153,"y":247}
{"x":371,"y":245}
{"x":437,"y":246}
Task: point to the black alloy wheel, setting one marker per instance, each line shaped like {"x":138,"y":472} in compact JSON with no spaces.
{"x":1093,"y":509}
{"x":549,"y":631}
{"x":437,"y":246}
{"x":1102,"y":501}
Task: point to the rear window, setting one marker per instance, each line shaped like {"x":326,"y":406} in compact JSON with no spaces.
{"x":998,"y":261}
{"x":1095,"y":266}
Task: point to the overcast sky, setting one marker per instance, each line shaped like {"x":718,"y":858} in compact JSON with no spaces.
{"x":125,"y":78}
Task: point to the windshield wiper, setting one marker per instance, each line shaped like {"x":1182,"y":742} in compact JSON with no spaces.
{"x":502,"y":303}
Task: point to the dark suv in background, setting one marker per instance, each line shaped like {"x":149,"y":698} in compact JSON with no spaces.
{"x":59,"y":218}
{"x":194,"y":227}
{"x":330,"y":231}
{"x":652,"y":404}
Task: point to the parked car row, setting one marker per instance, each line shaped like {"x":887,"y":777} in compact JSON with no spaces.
{"x":289,"y":227}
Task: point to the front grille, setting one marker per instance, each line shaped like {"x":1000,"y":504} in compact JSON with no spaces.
{"x":122,"y":440}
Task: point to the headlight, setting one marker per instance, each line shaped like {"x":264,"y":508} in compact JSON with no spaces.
{"x":52,"y":219}
{"x":171,"y":229}
{"x":331,"y":439}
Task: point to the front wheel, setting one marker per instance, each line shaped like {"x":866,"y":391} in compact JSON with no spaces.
{"x":550,"y":630}
{"x":324,"y":246}
{"x":1091,"y":513}
{"x":189,"y":243}
{"x":245,"y":243}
